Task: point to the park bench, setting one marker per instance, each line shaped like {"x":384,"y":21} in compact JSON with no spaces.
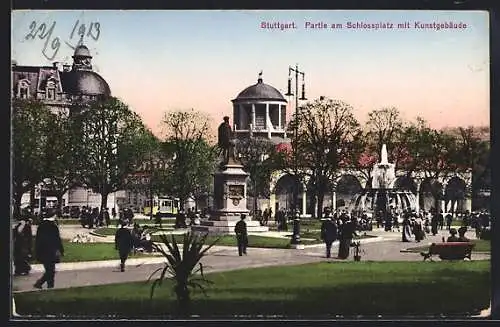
{"x":449,"y":251}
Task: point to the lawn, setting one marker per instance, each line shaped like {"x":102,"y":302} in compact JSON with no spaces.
{"x":481,"y":246}
{"x":254,"y":241}
{"x":111,"y":231}
{"x":320,"y":290}
{"x":76,"y":252}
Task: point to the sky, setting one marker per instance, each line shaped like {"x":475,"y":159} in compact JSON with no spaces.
{"x":159,"y":61}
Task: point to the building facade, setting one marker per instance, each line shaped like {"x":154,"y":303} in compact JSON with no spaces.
{"x":60,"y":87}
{"x":260,"y":110}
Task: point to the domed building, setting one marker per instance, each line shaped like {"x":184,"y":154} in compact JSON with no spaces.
{"x":260,"y":111}
{"x":58,"y":87}
{"x":60,"y":84}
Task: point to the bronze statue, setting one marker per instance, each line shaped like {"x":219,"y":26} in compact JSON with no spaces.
{"x":225,"y":140}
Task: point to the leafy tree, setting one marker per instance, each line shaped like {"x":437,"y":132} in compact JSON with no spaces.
{"x":187,"y":134}
{"x":182,"y":267}
{"x":30,"y":142}
{"x":325,"y":131}
{"x":254,"y":154}
{"x":114,"y":143}
{"x":62,"y":155}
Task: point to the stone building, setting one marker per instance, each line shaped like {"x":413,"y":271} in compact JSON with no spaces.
{"x":60,"y":86}
{"x":260,"y":110}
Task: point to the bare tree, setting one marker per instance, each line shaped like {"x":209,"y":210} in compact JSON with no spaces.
{"x":325,"y":131}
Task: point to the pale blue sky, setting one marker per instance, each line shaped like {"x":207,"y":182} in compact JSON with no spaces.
{"x":163,"y":60}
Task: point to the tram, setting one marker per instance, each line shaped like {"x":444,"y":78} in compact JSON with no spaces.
{"x":163,"y":206}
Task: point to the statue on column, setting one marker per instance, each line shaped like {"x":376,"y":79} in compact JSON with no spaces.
{"x":226,"y":141}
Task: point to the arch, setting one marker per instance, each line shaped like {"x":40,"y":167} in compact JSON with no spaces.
{"x":430,"y":195}
{"x":284,"y":190}
{"x":455,"y":195}
{"x":405,"y":183}
{"x":347,"y":187}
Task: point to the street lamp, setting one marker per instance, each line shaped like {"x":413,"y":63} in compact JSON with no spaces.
{"x":303,"y":97}
{"x":296,"y":221}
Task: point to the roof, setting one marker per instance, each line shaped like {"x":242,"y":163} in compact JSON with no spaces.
{"x":84,"y":82}
{"x":260,"y":91}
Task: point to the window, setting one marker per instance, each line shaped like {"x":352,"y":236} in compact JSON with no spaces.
{"x":23,"y":89}
{"x":51,"y":93}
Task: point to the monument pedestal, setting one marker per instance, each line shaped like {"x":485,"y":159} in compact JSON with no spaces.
{"x":230,"y":197}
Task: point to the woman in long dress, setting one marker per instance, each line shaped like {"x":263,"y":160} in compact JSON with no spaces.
{"x":406,"y":230}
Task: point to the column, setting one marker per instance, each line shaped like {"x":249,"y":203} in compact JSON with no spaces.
{"x":279,"y":116}
{"x":334,"y":201}
{"x":304,"y":202}
{"x":417,"y":204}
{"x":443,"y":202}
{"x":241,"y":109}
{"x":272,"y":201}
{"x":268,"y":121}
{"x":253,"y":115}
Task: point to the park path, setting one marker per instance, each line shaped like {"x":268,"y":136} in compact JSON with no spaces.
{"x":386,"y":247}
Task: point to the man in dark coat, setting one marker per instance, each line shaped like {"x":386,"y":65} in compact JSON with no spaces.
{"x":22,"y":237}
{"x":48,"y":250}
{"x":328,"y":234}
{"x":241,"y":235}
{"x":434,"y":223}
{"x":347,"y":232}
{"x":123,"y":243}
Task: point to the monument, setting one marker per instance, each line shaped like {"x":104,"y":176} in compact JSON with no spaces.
{"x":230,"y":190}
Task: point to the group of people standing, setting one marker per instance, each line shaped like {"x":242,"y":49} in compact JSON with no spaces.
{"x":342,"y":229}
{"x":90,"y":217}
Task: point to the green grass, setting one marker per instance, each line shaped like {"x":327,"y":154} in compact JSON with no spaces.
{"x":76,"y":252}
{"x":390,"y":289}
{"x":254,"y":241}
{"x":111,"y":231}
{"x":481,"y":246}
{"x":76,"y":221}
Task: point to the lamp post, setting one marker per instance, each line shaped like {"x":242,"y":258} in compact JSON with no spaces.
{"x":296,"y":222}
{"x":303,"y":97}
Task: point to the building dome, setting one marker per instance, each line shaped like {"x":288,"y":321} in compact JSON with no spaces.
{"x":82,"y":51}
{"x":260,"y":91}
{"x":85,"y":82}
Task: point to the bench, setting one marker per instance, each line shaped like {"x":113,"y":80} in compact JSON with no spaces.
{"x":450,"y":251}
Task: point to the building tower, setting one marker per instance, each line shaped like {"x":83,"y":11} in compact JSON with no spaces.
{"x":260,"y":111}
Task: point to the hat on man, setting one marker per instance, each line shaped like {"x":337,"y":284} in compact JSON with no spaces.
{"x":243,"y":216}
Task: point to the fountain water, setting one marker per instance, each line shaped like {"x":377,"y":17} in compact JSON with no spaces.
{"x":382,"y":194}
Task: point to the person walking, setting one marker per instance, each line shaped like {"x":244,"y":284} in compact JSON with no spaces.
{"x":406,"y":230}
{"x":22,"y":237}
{"x":123,"y":243}
{"x":241,"y":235}
{"x":328,"y":234}
{"x":449,"y":220}
{"x":434,"y":224}
{"x":48,"y":250}
{"x":347,"y":232}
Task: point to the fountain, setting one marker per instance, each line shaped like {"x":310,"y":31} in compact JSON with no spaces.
{"x":381,"y":194}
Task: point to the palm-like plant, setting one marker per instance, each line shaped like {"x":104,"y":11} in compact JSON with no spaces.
{"x":183,"y":266}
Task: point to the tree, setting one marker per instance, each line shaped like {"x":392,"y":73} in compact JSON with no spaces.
{"x":114,"y":143}
{"x":325,"y":131}
{"x":188,"y":136}
{"x":433,"y":152}
{"x":30,"y":142}
{"x":254,"y":154}
{"x":383,"y":126}
{"x":62,"y":155}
